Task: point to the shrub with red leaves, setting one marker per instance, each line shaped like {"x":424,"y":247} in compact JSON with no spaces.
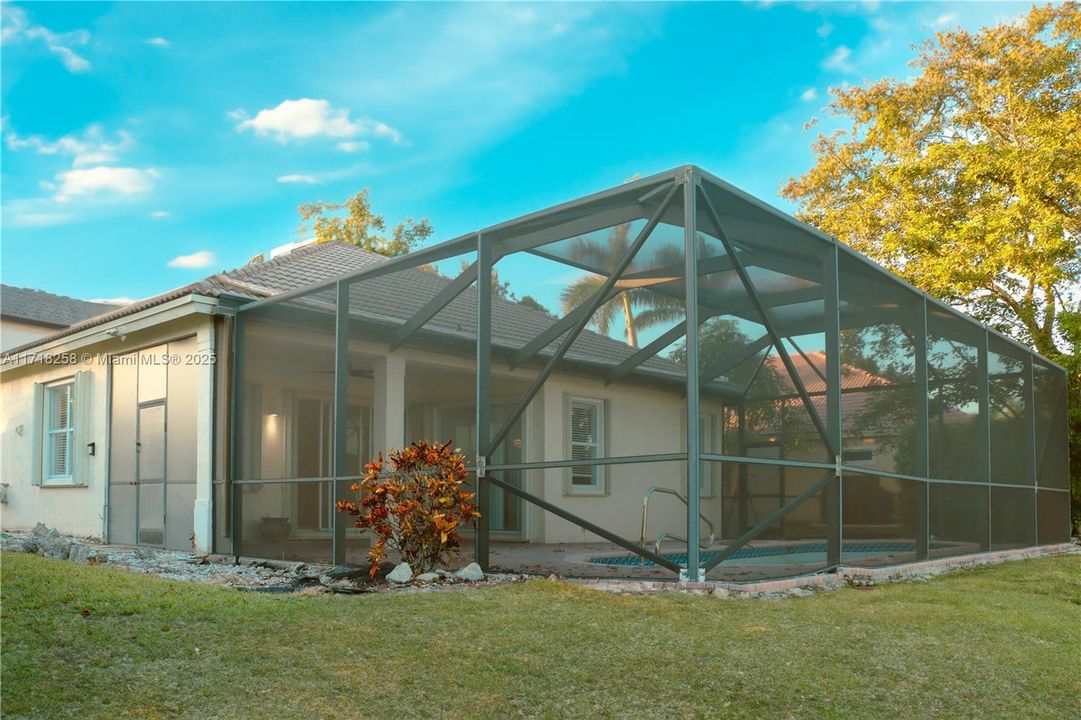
{"x":415,"y":506}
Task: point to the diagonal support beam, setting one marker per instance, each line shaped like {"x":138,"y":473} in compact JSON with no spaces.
{"x":453,"y":289}
{"x":778,"y":343}
{"x":807,"y":359}
{"x":589,"y":308}
{"x":556,"y":329}
{"x":583,"y":523}
{"x":730,"y":360}
{"x":768,"y":521}
{"x":646,"y":352}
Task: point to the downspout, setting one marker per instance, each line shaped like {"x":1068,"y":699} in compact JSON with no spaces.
{"x":107,"y":456}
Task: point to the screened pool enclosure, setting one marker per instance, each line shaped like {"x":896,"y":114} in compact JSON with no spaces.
{"x":668,"y":378}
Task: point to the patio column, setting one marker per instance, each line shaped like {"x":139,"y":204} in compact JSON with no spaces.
{"x":388,"y":428}
{"x":834,"y":492}
{"x":204,"y":441}
{"x":923,"y":465}
{"x":694,"y":571}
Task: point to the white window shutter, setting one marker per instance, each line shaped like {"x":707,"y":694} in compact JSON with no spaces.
{"x":83,"y":435}
{"x":37,"y":433}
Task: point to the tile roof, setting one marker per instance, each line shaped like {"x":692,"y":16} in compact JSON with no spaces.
{"x":42,"y":308}
{"x":389,"y":299}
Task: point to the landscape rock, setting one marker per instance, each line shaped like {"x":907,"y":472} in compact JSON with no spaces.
{"x":145,"y":553}
{"x":78,"y":552}
{"x":470,"y":572}
{"x":385,"y":569}
{"x":801,"y":592}
{"x":31,"y":545}
{"x":39,"y":530}
{"x":428,"y":577}
{"x":348,"y":572}
{"x":401,"y":574}
{"x":11,"y":544}
{"x":57,"y":548}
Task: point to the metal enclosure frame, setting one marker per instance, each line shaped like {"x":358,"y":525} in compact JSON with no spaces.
{"x":758,"y":242}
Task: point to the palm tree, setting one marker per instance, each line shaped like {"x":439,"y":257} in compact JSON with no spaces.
{"x":594,"y":253}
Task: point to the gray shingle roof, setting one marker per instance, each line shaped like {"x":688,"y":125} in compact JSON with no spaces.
{"x":42,"y":308}
{"x":387,"y":300}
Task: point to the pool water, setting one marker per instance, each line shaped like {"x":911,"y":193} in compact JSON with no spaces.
{"x":801,"y":554}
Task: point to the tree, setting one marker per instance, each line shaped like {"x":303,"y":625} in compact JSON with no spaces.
{"x":658,"y":308}
{"x":966,"y":180}
{"x":359,"y":225}
{"x":500,"y":288}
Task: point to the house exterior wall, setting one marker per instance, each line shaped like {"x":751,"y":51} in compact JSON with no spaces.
{"x":82,"y":509}
{"x":76,"y":510}
{"x":14,"y":333}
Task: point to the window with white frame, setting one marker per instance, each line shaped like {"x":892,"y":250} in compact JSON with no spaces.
{"x":587,"y":443}
{"x":59,"y":440}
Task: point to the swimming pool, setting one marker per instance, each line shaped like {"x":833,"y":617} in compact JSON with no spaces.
{"x":795,"y":554}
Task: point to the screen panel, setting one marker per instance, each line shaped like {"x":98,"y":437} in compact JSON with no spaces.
{"x":1052,"y":454}
{"x":1011,"y":428}
{"x":1013,"y":518}
{"x":954,"y":396}
{"x":880,"y":520}
{"x":958,"y":518}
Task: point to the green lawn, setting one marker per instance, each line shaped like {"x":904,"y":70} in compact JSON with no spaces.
{"x":92,"y":642}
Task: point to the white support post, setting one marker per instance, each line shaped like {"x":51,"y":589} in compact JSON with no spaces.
{"x":204,"y":441}
{"x":388,"y":430}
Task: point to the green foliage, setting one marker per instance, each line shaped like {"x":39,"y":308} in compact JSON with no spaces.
{"x":531,"y":302}
{"x":966,"y":180}
{"x":354,"y":222}
{"x":415,"y":503}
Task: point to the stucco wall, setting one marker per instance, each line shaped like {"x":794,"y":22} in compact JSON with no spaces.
{"x":14,"y":333}
{"x":81,"y":510}
{"x":73,"y":510}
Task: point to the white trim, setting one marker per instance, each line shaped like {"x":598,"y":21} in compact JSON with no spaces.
{"x":180,"y":307}
{"x":48,"y":432}
{"x":599,"y":485}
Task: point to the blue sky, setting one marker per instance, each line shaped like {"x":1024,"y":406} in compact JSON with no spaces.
{"x":147,"y":145}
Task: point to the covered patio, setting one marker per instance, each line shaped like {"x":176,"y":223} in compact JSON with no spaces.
{"x":788,"y":407}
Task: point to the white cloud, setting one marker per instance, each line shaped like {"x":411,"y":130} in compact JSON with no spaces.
{"x":157,"y":41}
{"x":91,"y":148}
{"x":839,"y":60}
{"x":352,"y":146}
{"x":309,"y":118}
{"x":160,"y":214}
{"x":945,"y":19}
{"x":299,"y":179}
{"x":90,"y":181}
{"x":200,"y":259}
{"x":17,"y":26}
{"x":808,"y":95}
{"x":41,"y":219}
{"x":122,"y":300}
{"x":824,"y":30}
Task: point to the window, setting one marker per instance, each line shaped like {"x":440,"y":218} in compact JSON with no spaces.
{"x":59,"y":440}
{"x":587,"y":443}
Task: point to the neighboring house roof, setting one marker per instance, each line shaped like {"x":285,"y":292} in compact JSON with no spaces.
{"x":389,"y":299}
{"x":853,"y":404}
{"x":42,"y":308}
